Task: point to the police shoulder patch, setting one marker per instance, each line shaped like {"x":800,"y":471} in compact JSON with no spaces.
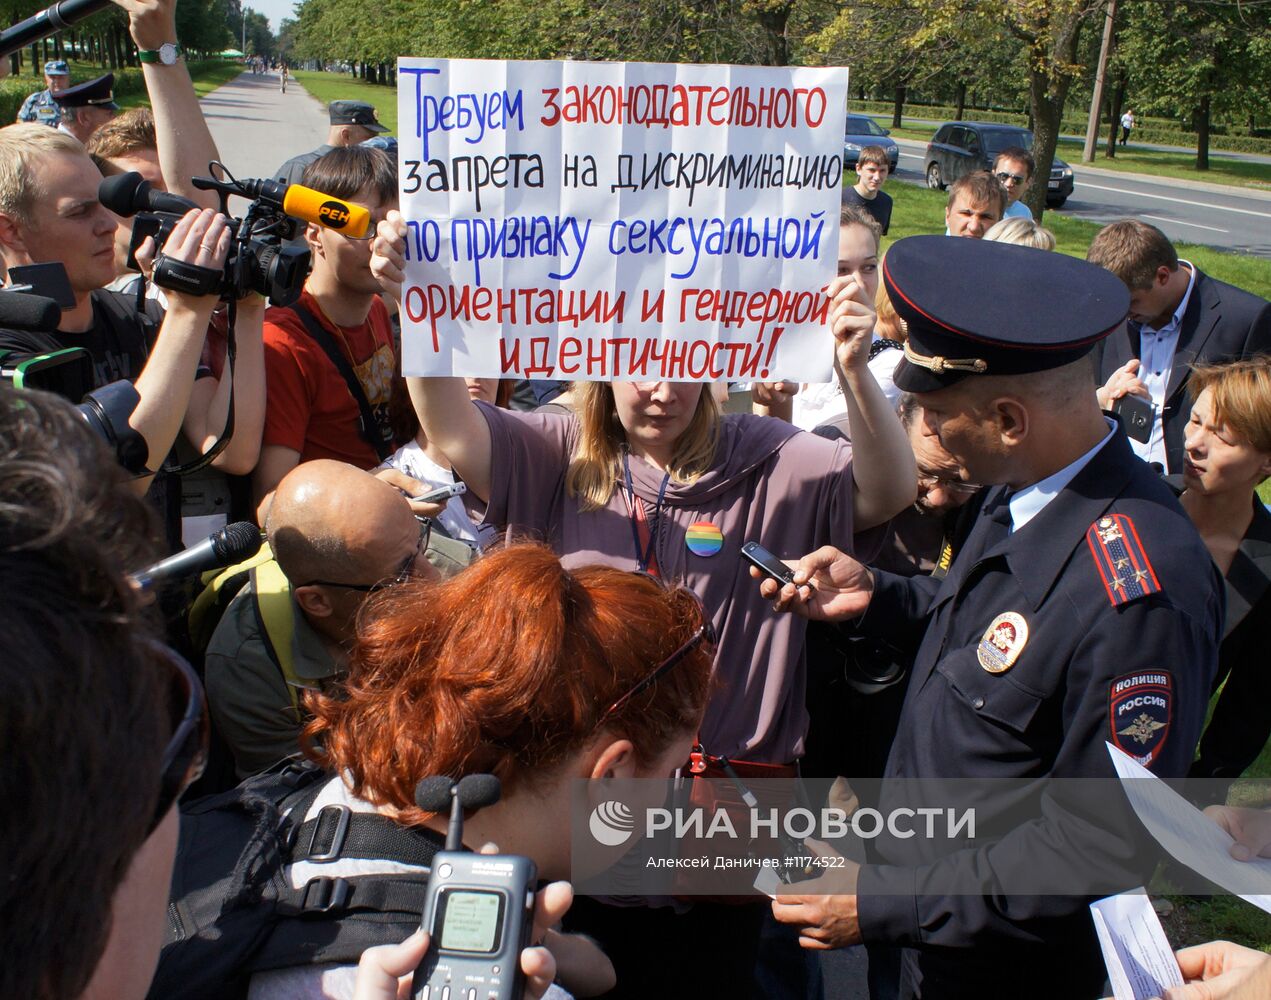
{"x":1122,"y":563}
{"x":1140,"y":711}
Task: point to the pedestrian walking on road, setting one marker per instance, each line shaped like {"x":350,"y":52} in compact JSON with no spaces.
{"x":1127,"y":123}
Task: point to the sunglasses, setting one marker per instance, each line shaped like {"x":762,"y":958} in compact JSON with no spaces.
{"x":185,"y":756}
{"x":952,"y":485}
{"x":704,"y":633}
{"x":404,"y":571}
{"x":1007,"y":178}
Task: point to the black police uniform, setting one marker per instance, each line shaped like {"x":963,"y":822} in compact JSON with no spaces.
{"x":1097,"y":621}
{"x":1050,"y":714}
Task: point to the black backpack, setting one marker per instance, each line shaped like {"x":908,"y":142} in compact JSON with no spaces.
{"x":232,"y":912}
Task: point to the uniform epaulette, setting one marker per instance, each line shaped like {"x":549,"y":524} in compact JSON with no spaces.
{"x":1123,"y":565}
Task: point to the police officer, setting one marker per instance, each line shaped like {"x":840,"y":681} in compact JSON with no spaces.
{"x":40,"y":106}
{"x":1082,"y":608}
{"x":87,"y":106}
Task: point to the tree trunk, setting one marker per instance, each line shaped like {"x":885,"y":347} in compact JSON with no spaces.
{"x":1046,"y":109}
{"x":773,"y":21}
{"x":960,"y":115}
{"x":899,"y":106}
{"x":35,"y":58}
{"x":1114,"y":118}
{"x":1202,"y":134}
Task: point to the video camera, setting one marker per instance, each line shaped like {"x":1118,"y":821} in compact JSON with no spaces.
{"x":258,"y":261}
{"x":68,"y":372}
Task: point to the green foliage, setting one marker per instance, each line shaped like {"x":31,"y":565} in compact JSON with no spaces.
{"x":259,"y":39}
{"x":732,"y":31}
{"x":130,"y":88}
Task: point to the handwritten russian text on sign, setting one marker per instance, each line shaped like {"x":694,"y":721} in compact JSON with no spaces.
{"x":619,"y":220}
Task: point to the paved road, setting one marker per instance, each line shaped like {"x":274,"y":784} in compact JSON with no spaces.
{"x":1222,"y":154}
{"x":1224,"y":217}
{"x":257,"y":127}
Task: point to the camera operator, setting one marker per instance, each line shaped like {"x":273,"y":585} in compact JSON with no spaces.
{"x":49,"y":211}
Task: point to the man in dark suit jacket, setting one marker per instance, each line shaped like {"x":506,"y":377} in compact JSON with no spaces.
{"x":1178,"y":316}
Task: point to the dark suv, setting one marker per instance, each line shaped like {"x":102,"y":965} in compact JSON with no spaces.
{"x":960,"y":148}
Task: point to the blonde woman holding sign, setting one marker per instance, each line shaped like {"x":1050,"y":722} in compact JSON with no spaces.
{"x":649,"y":476}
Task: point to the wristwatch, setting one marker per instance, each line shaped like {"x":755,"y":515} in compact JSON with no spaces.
{"x":167,"y":54}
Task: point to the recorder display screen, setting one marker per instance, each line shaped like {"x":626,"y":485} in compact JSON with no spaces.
{"x":470,"y":921}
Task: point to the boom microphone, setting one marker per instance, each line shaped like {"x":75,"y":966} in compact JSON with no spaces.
{"x":232,"y":544}
{"x":130,"y":193}
{"x":47,"y":22}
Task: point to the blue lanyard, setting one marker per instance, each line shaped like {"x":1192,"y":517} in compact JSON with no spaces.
{"x":643,"y":556}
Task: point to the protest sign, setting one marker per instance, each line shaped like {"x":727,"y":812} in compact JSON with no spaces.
{"x":619,"y":220}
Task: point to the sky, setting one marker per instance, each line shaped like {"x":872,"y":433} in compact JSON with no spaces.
{"x":275,"y":10}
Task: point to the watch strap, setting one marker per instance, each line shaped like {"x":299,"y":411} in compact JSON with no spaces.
{"x":156,"y":55}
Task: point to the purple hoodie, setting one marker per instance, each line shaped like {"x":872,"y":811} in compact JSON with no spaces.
{"x":770,"y":482}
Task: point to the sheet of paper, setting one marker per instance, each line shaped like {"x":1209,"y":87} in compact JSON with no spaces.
{"x":1191,"y":837}
{"x":1140,"y":961}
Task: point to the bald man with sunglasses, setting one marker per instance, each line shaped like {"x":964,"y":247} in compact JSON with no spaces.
{"x":337,"y":535}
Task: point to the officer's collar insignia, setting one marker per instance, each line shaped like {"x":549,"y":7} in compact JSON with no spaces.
{"x":1003,"y":641}
{"x":1140,"y":710}
{"x":1123,"y":565}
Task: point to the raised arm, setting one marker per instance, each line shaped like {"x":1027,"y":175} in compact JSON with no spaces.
{"x":184,"y":140}
{"x":209,"y":401}
{"x":167,"y":380}
{"x":447,"y":414}
{"x":883,"y":467}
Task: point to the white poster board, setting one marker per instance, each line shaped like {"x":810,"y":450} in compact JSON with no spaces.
{"x":619,"y":220}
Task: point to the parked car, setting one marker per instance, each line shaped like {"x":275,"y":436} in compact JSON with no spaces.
{"x":960,"y":148}
{"x":863,"y":131}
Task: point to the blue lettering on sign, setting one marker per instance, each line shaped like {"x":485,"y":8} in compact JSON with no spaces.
{"x":471,"y":115}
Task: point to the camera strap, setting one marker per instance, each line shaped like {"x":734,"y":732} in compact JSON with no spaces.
{"x":368,"y":426}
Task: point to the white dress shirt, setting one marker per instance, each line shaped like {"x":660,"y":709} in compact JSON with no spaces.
{"x":1156,"y":362}
{"x":1027,"y":503}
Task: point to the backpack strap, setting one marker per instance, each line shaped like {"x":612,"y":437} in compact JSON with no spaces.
{"x":276,"y":621}
{"x":219,"y":588}
{"x":338,"y":832}
{"x":368,"y":426}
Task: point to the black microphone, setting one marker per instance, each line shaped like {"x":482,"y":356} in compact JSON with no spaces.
{"x":476,"y":791}
{"x":232,"y":544}
{"x":21,"y":311}
{"x":433,"y":794}
{"x":47,"y":22}
{"x":130,"y":193}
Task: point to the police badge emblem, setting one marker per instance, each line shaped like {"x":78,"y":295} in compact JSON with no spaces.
{"x":1140,"y":711}
{"x":1002,"y":643}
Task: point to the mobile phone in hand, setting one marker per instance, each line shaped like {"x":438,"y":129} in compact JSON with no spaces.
{"x":441,"y":494}
{"x":1136,"y":415}
{"x":768,"y":564}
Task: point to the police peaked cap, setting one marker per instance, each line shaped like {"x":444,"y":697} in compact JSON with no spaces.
{"x":975,"y":307}
{"x":98,"y":93}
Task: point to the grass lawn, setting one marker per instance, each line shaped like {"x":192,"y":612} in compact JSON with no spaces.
{"x":328,"y":87}
{"x":918,"y":210}
{"x":1222,"y":170}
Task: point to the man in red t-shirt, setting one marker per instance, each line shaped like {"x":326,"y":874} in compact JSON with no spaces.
{"x":311,"y":411}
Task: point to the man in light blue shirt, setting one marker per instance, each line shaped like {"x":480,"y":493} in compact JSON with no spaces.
{"x":1014,"y":167}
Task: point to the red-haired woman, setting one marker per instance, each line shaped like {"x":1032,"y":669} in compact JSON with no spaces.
{"x":518,"y":668}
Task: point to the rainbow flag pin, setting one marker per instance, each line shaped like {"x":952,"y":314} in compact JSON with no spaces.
{"x":704,"y":538}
